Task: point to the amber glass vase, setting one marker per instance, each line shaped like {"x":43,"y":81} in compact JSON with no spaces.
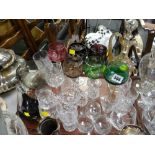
{"x":72,"y":66}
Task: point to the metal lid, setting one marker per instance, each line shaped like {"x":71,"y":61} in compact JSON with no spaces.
{"x":7,"y":58}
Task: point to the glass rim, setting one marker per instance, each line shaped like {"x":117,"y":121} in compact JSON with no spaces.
{"x":50,"y":45}
{"x":39,"y":54}
{"x":86,"y":61}
{"x":79,"y":59}
{"x":70,"y":46}
{"x":108,"y":124}
{"x":57,"y":65}
{"x":49,"y":119}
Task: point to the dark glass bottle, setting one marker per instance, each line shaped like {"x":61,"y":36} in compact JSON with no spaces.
{"x":29,"y":80}
{"x":29,"y":107}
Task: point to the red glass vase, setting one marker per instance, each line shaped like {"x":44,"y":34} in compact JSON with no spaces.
{"x":57,"y":52}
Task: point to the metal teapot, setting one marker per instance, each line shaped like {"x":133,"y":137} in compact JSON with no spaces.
{"x":8,"y":77}
{"x":7,"y":58}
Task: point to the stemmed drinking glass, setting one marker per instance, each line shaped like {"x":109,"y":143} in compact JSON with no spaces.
{"x":52,"y":72}
{"x":85,"y":124}
{"x":119,"y":104}
{"x":121,"y":119}
{"x":147,"y":67}
{"x":148,"y":116}
{"x":147,"y":76}
{"x":93,"y":109}
{"x":47,"y":103}
{"x":68,"y":117}
{"x":102,"y":125}
{"x":55,"y":76}
{"x":42,"y":61}
{"x":94,"y":88}
{"x":11,"y":124}
{"x":70,"y":94}
{"x":93,"y":66}
{"x":57,"y":51}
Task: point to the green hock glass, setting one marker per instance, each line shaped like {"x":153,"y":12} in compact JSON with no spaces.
{"x":94,"y":66}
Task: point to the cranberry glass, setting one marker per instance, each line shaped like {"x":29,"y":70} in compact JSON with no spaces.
{"x":57,"y":51}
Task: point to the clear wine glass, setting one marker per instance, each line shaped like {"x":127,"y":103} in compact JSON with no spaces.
{"x":146,"y":89}
{"x":42,"y":61}
{"x":94,"y":88}
{"x":68,"y":117}
{"x":54,"y":76}
{"x":13,"y":124}
{"x":119,"y":120}
{"x":47,"y":102}
{"x":93,"y":109}
{"x":121,"y":98}
{"x":148,"y":116}
{"x":102,"y":125}
{"x":52,"y":72}
{"x":70,"y":93}
{"x":107,"y":103}
{"x":85,"y":124}
{"x":147,"y":67}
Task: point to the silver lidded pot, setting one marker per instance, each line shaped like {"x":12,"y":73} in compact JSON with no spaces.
{"x":7,"y":58}
{"x":9,"y":63}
